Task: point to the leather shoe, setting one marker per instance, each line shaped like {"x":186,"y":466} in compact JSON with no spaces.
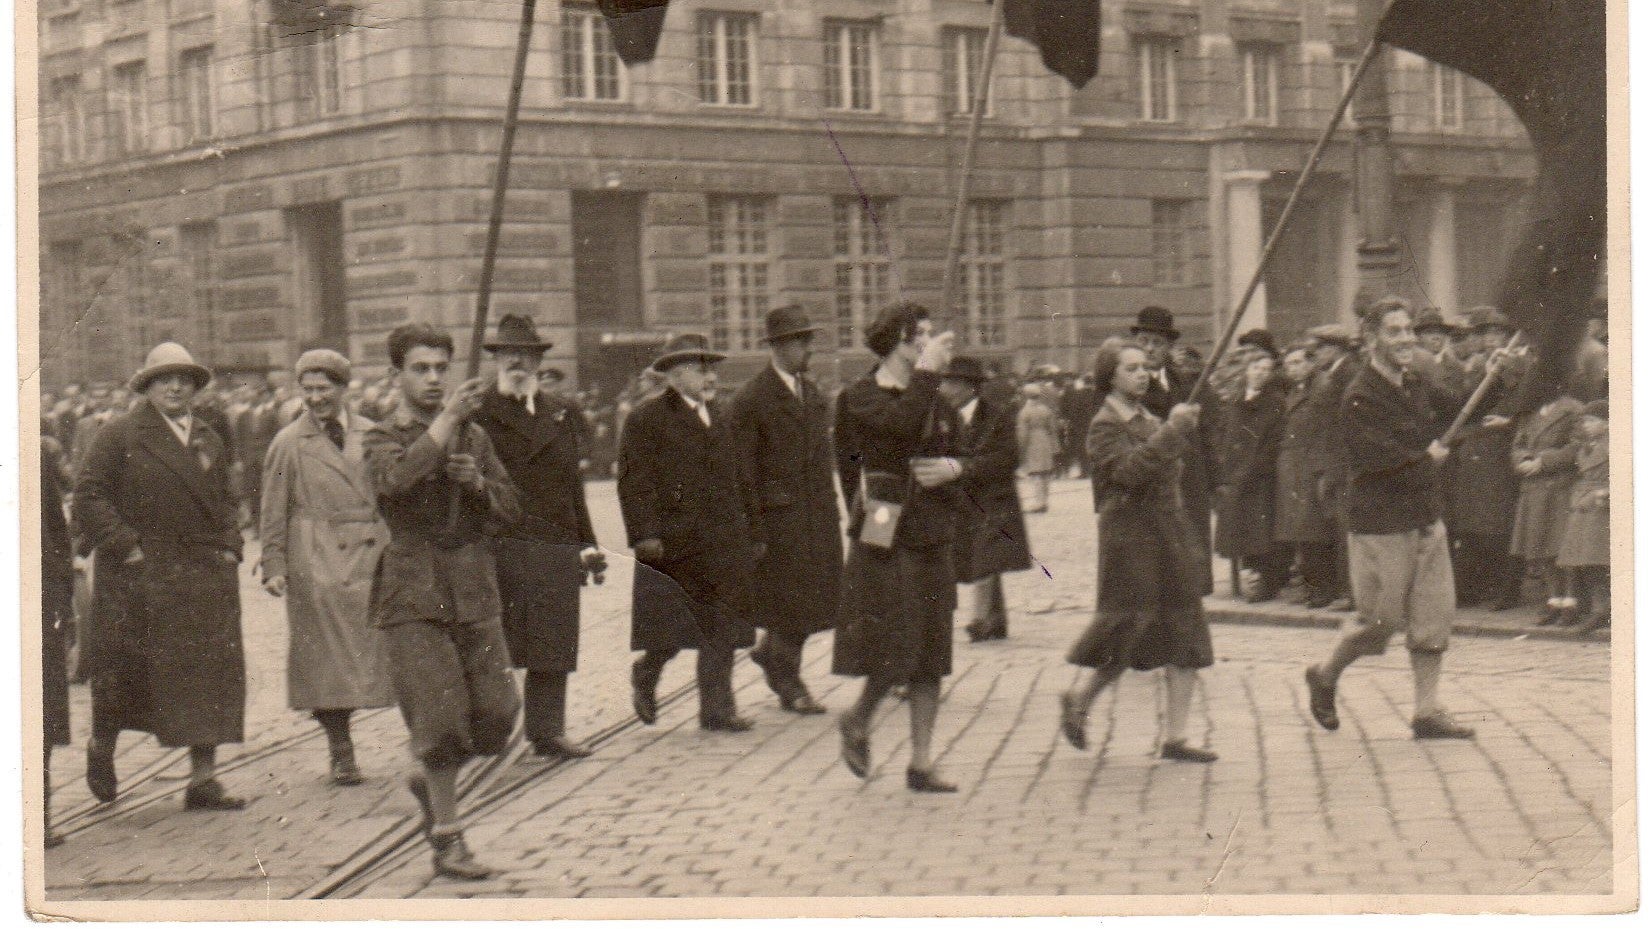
{"x":100,"y":773}
{"x":857,"y":746}
{"x":734,"y":723}
{"x":643,"y":699}
{"x":454,"y":859}
{"x":210,"y":795}
{"x":1439,"y":726}
{"x":345,"y":773}
{"x":561,"y":747}
{"x":1179,"y":750}
{"x":1322,"y":699}
{"x":802,"y":704}
{"x":1073,"y":719}
{"x":925,"y":782}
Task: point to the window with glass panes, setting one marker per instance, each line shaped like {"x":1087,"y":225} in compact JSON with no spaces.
{"x":194,"y":93}
{"x":962,"y":54}
{"x":1156,"y":77}
{"x":861,"y":260}
{"x":851,"y":65}
{"x":129,"y":107}
{"x":66,"y":136}
{"x":1259,"y":82}
{"x":982,"y":269}
{"x":1172,"y":242}
{"x":1448,"y":97}
{"x":1346,"y":64}
{"x":320,"y":72}
{"x":591,"y":69}
{"x":739,"y":264}
{"x":726,"y":58}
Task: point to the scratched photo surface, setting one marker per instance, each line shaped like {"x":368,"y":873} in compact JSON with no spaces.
{"x":1084,"y":457}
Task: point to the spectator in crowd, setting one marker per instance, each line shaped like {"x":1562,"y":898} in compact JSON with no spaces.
{"x":1036,"y":431}
{"x":1247,"y":463}
{"x":1480,"y":484}
{"x":1336,"y":363}
{"x":1585,"y":549}
{"x":1300,"y":522}
{"x":1545,"y":461}
{"x":1169,"y":384}
{"x":57,"y":580}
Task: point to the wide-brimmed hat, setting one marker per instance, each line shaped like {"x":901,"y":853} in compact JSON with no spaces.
{"x":1488,"y":317}
{"x":516,"y":332}
{"x":1156,"y":319}
{"x":1335,"y":334}
{"x":784,"y":322}
{"x":690,"y":346}
{"x":169,"y":358}
{"x":1432,"y":320}
{"x":965,"y":368}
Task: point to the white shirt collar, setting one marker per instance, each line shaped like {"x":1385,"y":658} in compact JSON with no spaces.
{"x":1163,"y":377}
{"x":789,"y":379}
{"x":967,"y":411}
{"x":698,"y":406}
{"x":884,"y":379}
{"x":526,"y":395}
{"x":180,"y":426}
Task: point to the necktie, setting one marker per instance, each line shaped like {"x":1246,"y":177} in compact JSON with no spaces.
{"x":335,"y":431}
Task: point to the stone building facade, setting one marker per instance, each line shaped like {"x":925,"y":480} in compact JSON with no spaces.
{"x":254,"y":176}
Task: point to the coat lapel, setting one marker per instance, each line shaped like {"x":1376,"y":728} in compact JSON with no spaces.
{"x":163,"y":443}
{"x":537,"y":429}
{"x":314,"y":443}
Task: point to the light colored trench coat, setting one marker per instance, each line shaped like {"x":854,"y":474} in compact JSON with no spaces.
{"x":322,"y":531}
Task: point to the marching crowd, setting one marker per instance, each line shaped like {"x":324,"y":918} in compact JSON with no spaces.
{"x":428,"y":537}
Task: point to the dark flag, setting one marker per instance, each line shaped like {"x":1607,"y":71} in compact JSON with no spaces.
{"x":1547,"y":60}
{"x":635,"y":26}
{"x":1067,"y":34}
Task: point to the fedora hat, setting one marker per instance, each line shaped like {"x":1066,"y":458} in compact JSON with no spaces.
{"x":169,"y":358}
{"x":1156,"y":319}
{"x":690,"y":346}
{"x":783,"y":322}
{"x":516,"y":331}
{"x":965,"y":368}
{"x":1488,"y":317}
{"x":1432,"y":319}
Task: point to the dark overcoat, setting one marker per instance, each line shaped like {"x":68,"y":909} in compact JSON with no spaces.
{"x":1298,"y":516}
{"x":165,"y":654}
{"x":1198,"y":472}
{"x":1247,"y":464}
{"x":785,"y":457}
{"x":537,"y":558}
{"x":57,"y":585}
{"x":1480,"y":484}
{"x":992,"y":533}
{"x":678,"y":483}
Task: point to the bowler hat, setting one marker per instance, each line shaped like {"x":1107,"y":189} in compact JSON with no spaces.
{"x":1334,"y":334}
{"x":1156,"y":319}
{"x":783,"y":322}
{"x":964,"y":368}
{"x":169,"y":358}
{"x":690,"y":346}
{"x":516,"y":331}
{"x":1433,"y":320}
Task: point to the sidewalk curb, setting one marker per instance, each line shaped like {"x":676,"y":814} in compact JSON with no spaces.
{"x":1226,"y":611}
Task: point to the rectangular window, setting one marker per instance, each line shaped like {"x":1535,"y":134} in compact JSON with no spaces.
{"x":66,"y":125}
{"x":129,"y":107}
{"x":739,"y":256}
{"x":1448,"y":97}
{"x":982,"y":267}
{"x":862,"y":262}
{"x":1346,"y":65}
{"x":198,"y":241}
{"x":1259,"y":83}
{"x":194,"y":93}
{"x":1172,"y":243}
{"x":962,"y":54}
{"x":1156,"y":75}
{"x":319,"y":72}
{"x":851,"y":65}
{"x":726,"y":58}
{"x":590,"y":67}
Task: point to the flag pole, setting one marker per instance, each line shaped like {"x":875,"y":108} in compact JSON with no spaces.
{"x":966,"y":170}
{"x":1370,"y":55}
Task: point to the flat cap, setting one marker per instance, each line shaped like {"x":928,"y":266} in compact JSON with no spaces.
{"x":1336,"y":334}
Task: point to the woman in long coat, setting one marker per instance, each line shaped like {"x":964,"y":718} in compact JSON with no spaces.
{"x":322,"y":537}
{"x":1038,"y":432}
{"x":1247,"y":462}
{"x":1546,"y":464}
{"x":1149,"y":610}
{"x":899,"y":589}
{"x":1299,"y":521}
{"x":165,"y":653}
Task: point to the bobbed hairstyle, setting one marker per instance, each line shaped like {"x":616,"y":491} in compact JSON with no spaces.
{"x":1107,"y":361}
{"x":894,"y":326}
{"x":406,"y":337}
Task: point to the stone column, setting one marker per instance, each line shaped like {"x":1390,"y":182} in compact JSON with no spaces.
{"x":1244,"y":240}
{"x":1442,"y":246}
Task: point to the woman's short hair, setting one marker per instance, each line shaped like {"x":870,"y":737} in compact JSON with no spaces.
{"x":894,"y":326}
{"x":404,"y":338}
{"x":1107,"y":361}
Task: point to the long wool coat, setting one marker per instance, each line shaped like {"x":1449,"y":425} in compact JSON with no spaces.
{"x":1298,"y":516}
{"x":678,"y":483}
{"x":538,"y":558}
{"x":785,"y":457}
{"x":1247,"y":462}
{"x":992,"y":533}
{"x":165,"y":654}
{"x":1480,"y":483}
{"x":321,"y":530}
{"x":1039,"y":433}
{"x":1545,"y":497}
{"x":1588,"y":539}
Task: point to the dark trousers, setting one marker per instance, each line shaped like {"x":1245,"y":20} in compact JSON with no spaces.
{"x":1331,"y":498}
{"x":781,"y":655}
{"x":713,"y":671}
{"x":545,"y":706}
{"x":1318,"y":564}
{"x":1484,"y":569}
{"x":1274,"y":567}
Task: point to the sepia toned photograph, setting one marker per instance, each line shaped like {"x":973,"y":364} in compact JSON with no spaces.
{"x":771,"y":458}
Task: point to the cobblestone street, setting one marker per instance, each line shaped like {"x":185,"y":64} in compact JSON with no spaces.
{"x":670,"y":811}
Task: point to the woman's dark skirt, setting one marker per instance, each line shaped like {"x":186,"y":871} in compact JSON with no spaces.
{"x":896,"y":620}
{"x":1149,"y":609}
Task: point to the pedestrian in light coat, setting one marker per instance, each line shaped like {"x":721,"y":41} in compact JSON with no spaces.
{"x":322,"y":537}
{"x":1038,"y":432}
{"x":779,"y":425}
{"x":164,"y":653}
{"x":1546,"y":464}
